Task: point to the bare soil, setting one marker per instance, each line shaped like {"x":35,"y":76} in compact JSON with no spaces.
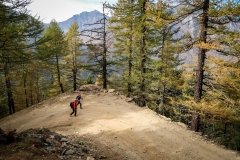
{"x":118,"y":129}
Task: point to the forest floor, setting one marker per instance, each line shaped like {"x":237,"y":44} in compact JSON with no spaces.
{"x":118,"y":129}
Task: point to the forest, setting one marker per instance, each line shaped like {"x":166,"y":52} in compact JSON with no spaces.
{"x":141,"y":51}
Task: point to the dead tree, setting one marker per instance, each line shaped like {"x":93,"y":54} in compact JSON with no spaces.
{"x":99,"y":44}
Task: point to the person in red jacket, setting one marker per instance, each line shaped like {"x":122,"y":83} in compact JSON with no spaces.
{"x":74,"y":105}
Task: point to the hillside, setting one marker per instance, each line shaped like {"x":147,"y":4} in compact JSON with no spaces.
{"x":121,"y":130}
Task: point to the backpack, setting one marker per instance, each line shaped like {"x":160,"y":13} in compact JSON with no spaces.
{"x":71,"y":104}
{"x":78,"y":97}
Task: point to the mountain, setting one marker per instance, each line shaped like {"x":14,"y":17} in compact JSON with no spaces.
{"x":82,"y":20}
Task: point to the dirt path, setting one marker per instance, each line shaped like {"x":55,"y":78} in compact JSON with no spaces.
{"x":119,"y":128}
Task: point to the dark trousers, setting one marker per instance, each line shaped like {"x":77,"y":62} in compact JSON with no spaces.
{"x":74,"y":110}
{"x":79,"y":102}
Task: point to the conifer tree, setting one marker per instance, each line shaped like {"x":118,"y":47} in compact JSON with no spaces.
{"x":212,"y":16}
{"x":143,"y":53}
{"x":17,"y":27}
{"x":54,"y":49}
{"x":73,"y":40}
{"x":122,"y":25}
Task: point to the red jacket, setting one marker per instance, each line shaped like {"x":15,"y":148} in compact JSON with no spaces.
{"x":74,"y":104}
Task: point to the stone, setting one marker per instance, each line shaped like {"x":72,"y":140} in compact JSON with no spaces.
{"x":129,"y":99}
{"x":51,"y":149}
{"x":52,"y":136}
{"x":64,"y":140}
{"x":69,"y":152}
{"x":64,"y":144}
{"x":90,"y":158}
{"x":111,"y":90}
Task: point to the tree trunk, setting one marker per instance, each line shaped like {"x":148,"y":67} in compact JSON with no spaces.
{"x":74,"y":79}
{"x":37,"y":85}
{"x":202,"y":53}
{"x":31,"y":90}
{"x":31,"y":93}
{"x":130,"y":65}
{"x":25,"y":89}
{"x":143,"y":48}
{"x":104,"y":65}
{"x":195,"y":122}
{"x":130,"y":54}
{"x":59,"y":75}
{"x":130,"y":69}
{"x":11,"y":105}
{"x":74,"y":66}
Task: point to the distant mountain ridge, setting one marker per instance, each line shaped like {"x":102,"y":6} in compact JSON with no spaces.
{"x":82,"y":20}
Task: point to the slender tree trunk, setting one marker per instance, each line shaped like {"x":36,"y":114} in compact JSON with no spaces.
{"x":11,"y":105}
{"x":31,"y":95}
{"x":163,"y":94}
{"x":104,"y":71}
{"x":75,"y":67}
{"x":163,"y":72}
{"x":130,"y":68}
{"x":59,"y":75}
{"x":37,"y":85}
{"x":74,"y":79}
{"x":202,"y":53}
{"x":31,"y":91}
{"x":25,"y":88}
{"x":143,"y":48}
{"x":130,"y":54}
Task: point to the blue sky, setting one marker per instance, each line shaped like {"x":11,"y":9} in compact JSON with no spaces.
{"x":61,"y":10}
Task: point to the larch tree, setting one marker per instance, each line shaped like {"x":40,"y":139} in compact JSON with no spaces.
{"x":54,"y":49}
{"x":73,"y":41}
{"x":143,"y":53}
{"x":17,"y":28}
{"x":122,"y":25}
{"x":212,"y":15}
{"x":163,"y":73}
